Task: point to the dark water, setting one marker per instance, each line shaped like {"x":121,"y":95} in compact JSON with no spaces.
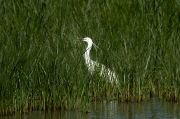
{"x":113,"y":110}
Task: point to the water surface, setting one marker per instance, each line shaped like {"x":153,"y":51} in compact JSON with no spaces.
{"x":114,"y":110}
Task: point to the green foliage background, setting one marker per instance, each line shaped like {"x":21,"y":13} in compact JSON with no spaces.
{"x":42,"y":65}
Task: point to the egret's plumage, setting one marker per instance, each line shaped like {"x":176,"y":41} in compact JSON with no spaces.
{"x":93,"y":65}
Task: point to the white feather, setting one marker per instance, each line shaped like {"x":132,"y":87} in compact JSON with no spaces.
{"x":92,"y":65}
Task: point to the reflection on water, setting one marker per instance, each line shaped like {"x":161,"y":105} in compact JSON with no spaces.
{"x":113,"y":109}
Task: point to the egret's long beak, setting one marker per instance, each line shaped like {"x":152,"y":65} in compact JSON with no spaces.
{"x":80,"y":38}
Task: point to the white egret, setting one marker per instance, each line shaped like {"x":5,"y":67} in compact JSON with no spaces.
{"x":93,"y":65}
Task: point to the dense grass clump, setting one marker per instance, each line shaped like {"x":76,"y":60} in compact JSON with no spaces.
{"x":42,"y":65}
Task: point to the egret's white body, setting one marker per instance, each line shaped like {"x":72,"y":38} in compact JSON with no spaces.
{"x":93,"y":65}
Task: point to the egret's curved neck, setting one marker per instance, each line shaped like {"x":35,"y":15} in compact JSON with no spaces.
{"x":87,"y":57}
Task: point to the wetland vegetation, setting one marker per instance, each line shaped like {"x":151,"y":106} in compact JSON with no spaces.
{"x":42,"y":65}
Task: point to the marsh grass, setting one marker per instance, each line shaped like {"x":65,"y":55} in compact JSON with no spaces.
{"x":42,"y":65}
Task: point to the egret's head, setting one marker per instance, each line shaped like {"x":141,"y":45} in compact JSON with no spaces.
{"x":86,"y":39}
{"x":89,"y":41}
